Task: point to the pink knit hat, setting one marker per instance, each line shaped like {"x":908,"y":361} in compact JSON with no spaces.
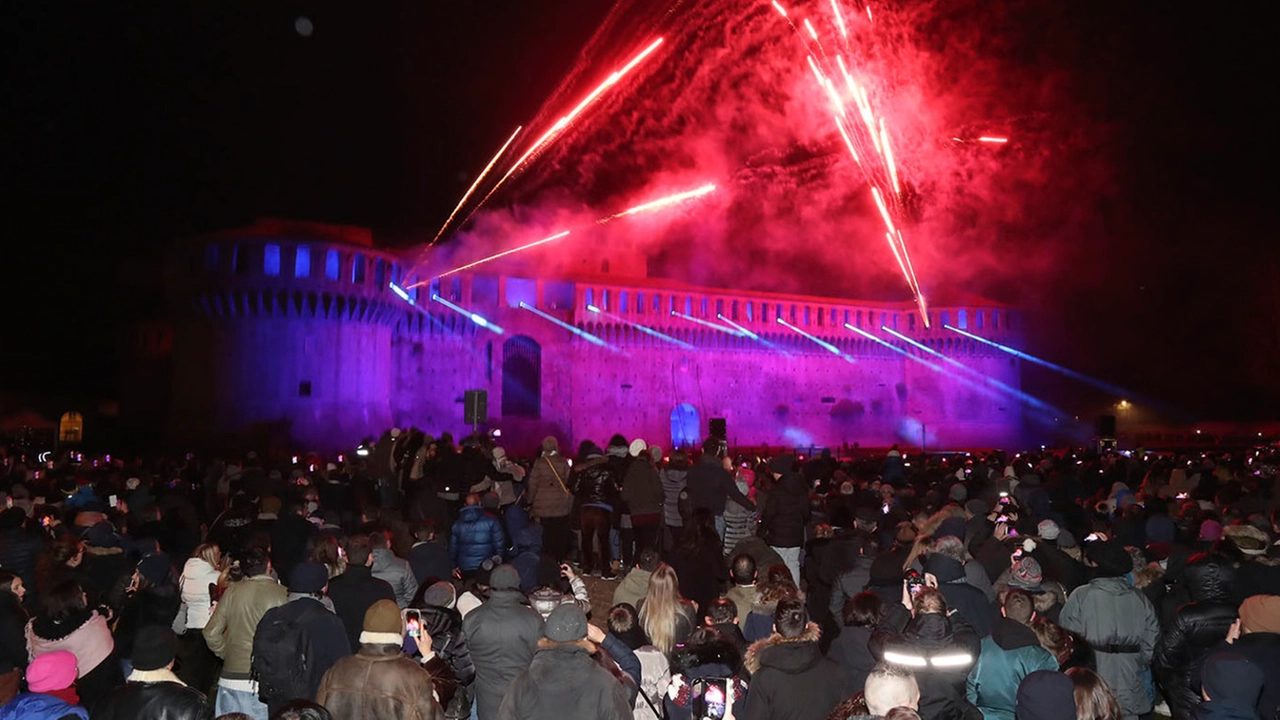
{"x":52,"y":671}
{"x":1210,"y":531}
{"x":1026,"y":574}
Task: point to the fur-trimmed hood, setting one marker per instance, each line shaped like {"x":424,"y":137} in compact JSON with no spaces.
{"x":771,"y":648}
{"x":715,"y":652}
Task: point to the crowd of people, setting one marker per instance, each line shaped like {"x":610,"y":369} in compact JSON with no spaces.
{"x":420,"y":581}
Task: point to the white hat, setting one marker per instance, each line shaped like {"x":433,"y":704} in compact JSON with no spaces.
{"x":637,"y":446}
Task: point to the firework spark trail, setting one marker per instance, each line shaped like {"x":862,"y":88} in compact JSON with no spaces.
{"x":567,"y":119}
{"x":848,"y":143}
{"x":993,"y":139}
{"x":781,"y":10}
{"x":835,"y":9}
{"x":812,"y":33}
{"x":479,"y":178}
{"x":888,"y":159}
{"x":650,"y":206}
{"x":662,"y":202}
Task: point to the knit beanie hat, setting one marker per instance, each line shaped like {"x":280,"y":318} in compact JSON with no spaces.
{"x":154,"y":647}
{"x":550,"y":445}
{"x":1066,"y":539}
{"x":1026,"y":574}
{"x":1260,"y":613}
{"x":959,"y":493}
{"x":567,"y":623}
{"x":308,"y":577}
{"x":440,"y":594}
{"x":1110,"y":557}
{"x":637,"y":446}
{"x":1046,"y":695}
{"x":504,"y":577}
{"x":52,"y":671}
{"x":655,"y":452}
{"x":1048,"y":530}
{"x":269,"y":504}
{"x":977,"y":508}
{"x":1211,"y":531}
{"x":782,"y":464}
{"x":383,"y":624}
{"x":951,"y":527}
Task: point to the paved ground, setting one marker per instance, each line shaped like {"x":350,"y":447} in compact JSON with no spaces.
{"x":601,"y":598}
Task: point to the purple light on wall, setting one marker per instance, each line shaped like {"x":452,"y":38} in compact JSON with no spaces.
{"x":475,"y":318}
{"x":576,"y":331}
{"x":821,"y":343}
{"x":642,"y":328}
{"x":711,"y":325}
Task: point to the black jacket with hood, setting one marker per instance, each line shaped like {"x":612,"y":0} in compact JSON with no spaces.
{"x":786,"y":513}
{"x":791,"y":680}
{"x":1196,"y":628}
{"x":942,"y":689}
{"x":961,"y":596}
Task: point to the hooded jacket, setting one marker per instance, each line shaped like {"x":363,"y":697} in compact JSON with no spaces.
{"x":477,"y":536}
{"x":39,"y":706}
{"x":633,"y":587}
{"x":564,"y":681}
{"x":352,"y":593}
{"x":159,"y":700}
{"x":852,"y":649}
{"x":397,"y":573}
{"x":86,"y":636}
{"x":642,"y":488}
{"x":791,"y":680}
{"x":673,"y":486}
{"x":503,"y":635}
{"x":1120,"y":624}
{"x":197,"y":576}
{"x":961,"y":596}
{"x":942,"y":688}
{"x":549,"y":493}
{"x":710,"y":486}
{"x":1011,"y":653}
{"x":1196,"y":629}
{"x":786,"y":512}
{"x":595,"y":482}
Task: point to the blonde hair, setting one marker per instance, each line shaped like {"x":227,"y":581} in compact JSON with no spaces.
{"x":658,"y":612}
{"x":212,"y":554}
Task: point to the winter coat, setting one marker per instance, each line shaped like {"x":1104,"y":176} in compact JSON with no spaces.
{"x":700,"y":572}
{"x":743,"y":597}
{"x":38,"y":706}
{"x":563,"y":681}
{"x":942,"y":689}
{"x":633,"y":588}
{"x":528,"y":557}
{"x":324,"y":638}
{"x":86,"y":636}
{"x":642,"y":489}
{"x":710,"y":486}
{"x":1060,"y":566}
{"x":289,"y":543}
{"x":739,"y":522}
{"x":397,"y":573}
{"x":548,"y":491}
{"x":197,"y":576}
{"x":1195,"y":630}
{"x":595,"y":483}
{"x":13,"y":633}
{"x":154,"y":606}
{"x":1121,"y":625}
{"x":1264,"y":650}
{"x":503,"y":635}
{"x":352,"y":593}
{"x":851,"y":648}
{"x":380,"y":683}
{"x":1011,"y":653}
{"x":18,"y":551}
{"x":430,"y":559}
{"x":786,"y":513}
{"x":673,"y":486}
{"x":162,"y":700}
{"x":850,"y":582}
{"x":477,"y":536}
{"x":961,"y":596}
{"x":717,"y":658}
{"x":229,"y":632}
{"x":448,"y":640}
{"x":655,"y":677}
{"x":791,"y":680}
{"x":1221,"y":711}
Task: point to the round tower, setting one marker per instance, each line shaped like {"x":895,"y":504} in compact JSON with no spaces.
{"x":282,"y":333}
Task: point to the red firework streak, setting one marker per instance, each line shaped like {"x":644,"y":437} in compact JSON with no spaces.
{"x":567,"y":119}
{"x":868,"y":142}
{"x":651,"y":206}
{"x":479,"y":178}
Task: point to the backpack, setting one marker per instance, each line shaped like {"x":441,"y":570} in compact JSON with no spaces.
{"x":279,"y":662}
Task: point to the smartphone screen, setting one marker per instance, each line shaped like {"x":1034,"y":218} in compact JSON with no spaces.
{"x":710,"y":698}
{"x":113,"y":501}
{"x":413,"y":623}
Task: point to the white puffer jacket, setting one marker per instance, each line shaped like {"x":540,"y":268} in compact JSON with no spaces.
{"x":197,"y":575}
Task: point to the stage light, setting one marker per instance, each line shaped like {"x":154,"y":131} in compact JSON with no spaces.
{"x":711,"y":325}
{"x":473,"y":317}
{"x":821,"y":343}
{"x":576,"y":331}
{"x":896,"y":349}
{"x":1108,"y":387}
{"x":1020,"y":395}
{"x":741,"y":329}
{"x":644,"y":329}
{"x":401,"y":292}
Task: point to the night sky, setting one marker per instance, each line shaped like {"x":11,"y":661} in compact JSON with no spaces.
{"x":129,"y":124}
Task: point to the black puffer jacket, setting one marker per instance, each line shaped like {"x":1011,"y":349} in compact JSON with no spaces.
{"x":595,"y":483}
{"x":1197,"y":627}
{"x":786,"y":513}
{"x":961,"y":596}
